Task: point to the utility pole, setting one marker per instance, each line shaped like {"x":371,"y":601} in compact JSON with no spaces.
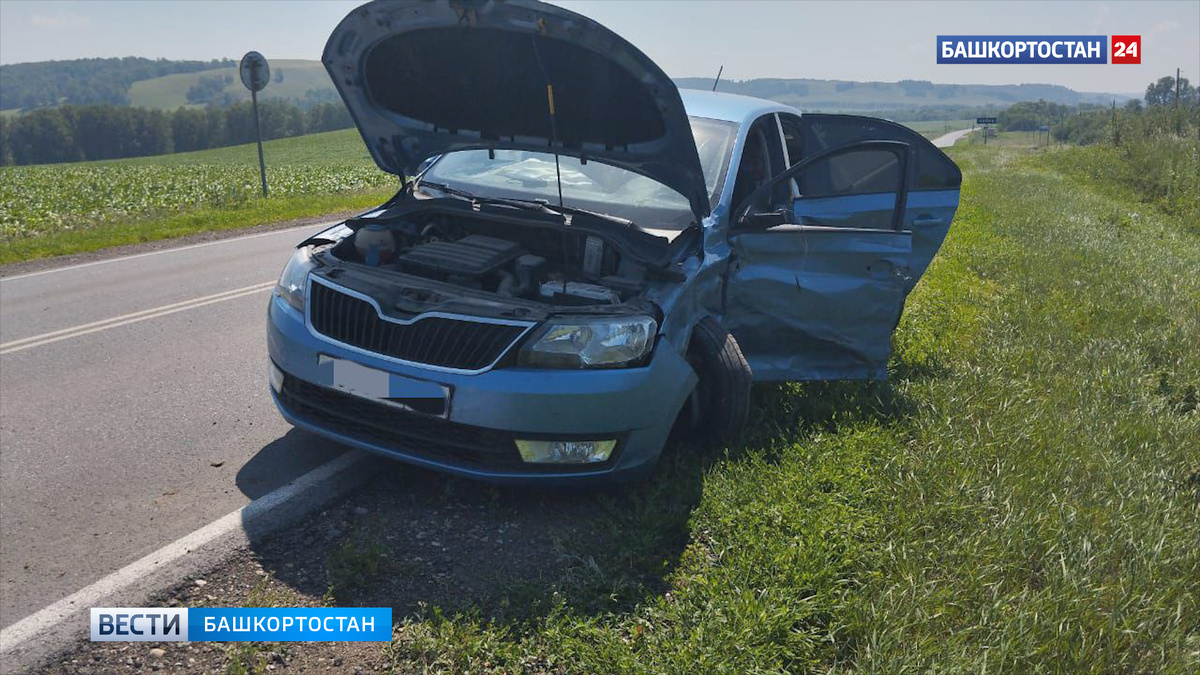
{"x":1178,"y":120}
{"x":1116,"y":136}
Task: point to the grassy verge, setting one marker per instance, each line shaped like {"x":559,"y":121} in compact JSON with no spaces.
{"x":154,"y":227}
{"x":1022,"y":497}
{"x":1160,"y":169}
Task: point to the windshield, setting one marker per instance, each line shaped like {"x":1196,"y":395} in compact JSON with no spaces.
{"x":593,"y":186}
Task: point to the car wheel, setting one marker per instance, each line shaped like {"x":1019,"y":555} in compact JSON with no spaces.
{"x":720,"y":404}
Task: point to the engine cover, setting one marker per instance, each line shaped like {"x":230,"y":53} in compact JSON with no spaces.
{"x":474,"y":255}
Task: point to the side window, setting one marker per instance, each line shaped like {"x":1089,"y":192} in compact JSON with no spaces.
{"x":931,"y":169}
{"x":854,"y":173}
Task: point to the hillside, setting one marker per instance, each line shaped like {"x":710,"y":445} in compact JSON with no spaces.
{"x":298,"y":78}
{"x":164,"y":85}
{"x":85,"y":81}
{"x":834,"y":95}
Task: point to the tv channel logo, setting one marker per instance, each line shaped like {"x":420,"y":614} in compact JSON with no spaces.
{"x":139,"y":624}
{"x":1127,"y":49}
{"x":241,"y":624}
{"x":1022,"y":49}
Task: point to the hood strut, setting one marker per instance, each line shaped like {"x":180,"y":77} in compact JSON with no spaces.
{"x":537,"y":54}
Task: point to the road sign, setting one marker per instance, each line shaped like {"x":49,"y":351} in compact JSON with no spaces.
{"x":255,"y":75}
{"x":985,"y":120}
{"x":254,"y":71}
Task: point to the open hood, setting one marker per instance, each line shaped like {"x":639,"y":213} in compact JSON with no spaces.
{"x":426,"y":78}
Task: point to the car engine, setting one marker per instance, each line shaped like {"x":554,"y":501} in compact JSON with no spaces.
{"x":550,"y":265}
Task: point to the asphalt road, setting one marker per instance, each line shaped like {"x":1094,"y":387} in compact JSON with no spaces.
{"x":950,"y":138}
{"x":148,"y":421}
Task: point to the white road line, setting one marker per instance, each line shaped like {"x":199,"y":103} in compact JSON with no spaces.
{"x":316,"y":227}
{"x":35,"y":624}
{"x":133,"y":317}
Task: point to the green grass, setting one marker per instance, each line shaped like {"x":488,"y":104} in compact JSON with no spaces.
{"x":170,"y":91}
{"x":1159,"y":169}
{"x":328,"y":148}
{"x":70,"y":208}
{"x":1021,"y":497}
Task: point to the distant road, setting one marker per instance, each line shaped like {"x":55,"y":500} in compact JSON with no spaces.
{"x":950,"y":138}
{"x":135,"y":409}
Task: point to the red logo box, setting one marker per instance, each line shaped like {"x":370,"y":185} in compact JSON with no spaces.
{"x":1126,"y":48}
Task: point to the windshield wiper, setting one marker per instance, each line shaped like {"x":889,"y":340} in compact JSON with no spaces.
{"x":543,"y":206}
{"x":528,"y":204}
{"x":476,"y":199}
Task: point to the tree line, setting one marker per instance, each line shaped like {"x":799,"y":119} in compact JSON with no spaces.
{"x":1086,"y":124}
{"x":85,"y":81}
{"x":93,"y":132}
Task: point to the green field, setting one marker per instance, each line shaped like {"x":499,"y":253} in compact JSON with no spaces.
{"x":70,"y":208}
{"x":170,"y":92}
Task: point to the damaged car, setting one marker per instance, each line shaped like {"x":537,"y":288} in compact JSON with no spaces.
{"x":584,"y":259}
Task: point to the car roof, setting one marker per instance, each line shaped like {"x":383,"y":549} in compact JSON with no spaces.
{"x":729,"y":107}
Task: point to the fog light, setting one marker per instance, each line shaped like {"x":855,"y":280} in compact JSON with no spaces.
{"x":565,"y":452}
{"x":275,"y":376}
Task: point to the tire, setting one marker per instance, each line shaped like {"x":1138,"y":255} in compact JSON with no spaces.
{"x":720,"y":404}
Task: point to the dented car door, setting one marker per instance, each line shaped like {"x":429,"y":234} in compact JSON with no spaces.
{"x":816,"y":289}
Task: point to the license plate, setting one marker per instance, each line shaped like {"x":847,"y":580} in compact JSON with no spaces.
{"x":359,"y":380}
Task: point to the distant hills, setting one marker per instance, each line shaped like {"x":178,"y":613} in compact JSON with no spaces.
{"x":843,"y":95}
{"x":167,"y":85}
{"x":297,"y":79}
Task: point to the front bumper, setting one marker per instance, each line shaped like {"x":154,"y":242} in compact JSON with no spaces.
{"x":486,"y":411}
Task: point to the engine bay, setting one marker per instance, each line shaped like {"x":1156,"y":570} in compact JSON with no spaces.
{"x":538,"y":261}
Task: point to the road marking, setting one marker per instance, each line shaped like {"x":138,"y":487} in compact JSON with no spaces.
{"x":43,"y":620}
{"x":126,"y":319}
{"x":168,"y":250}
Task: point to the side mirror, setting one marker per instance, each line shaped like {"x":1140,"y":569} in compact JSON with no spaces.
{"x":762,"y":220}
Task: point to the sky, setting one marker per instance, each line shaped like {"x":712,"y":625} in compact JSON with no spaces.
{"x":861,"y":41}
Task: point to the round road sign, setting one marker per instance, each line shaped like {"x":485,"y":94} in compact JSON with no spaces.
{"x":255,"y":71}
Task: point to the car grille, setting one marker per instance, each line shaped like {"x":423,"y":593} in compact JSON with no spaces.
{"x":435,"y":341}
{"x":394,"y":428}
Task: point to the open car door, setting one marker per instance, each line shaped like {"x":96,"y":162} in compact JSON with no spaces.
{"x":816,"y":287}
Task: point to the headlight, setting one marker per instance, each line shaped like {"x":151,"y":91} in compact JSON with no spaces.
{"x":590,"y":342}
{"x":295,"y":273}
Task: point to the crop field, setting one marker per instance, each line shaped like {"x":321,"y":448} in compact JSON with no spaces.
{"x":53,"y":209}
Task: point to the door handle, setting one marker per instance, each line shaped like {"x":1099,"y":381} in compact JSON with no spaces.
{"x":927,"y":220}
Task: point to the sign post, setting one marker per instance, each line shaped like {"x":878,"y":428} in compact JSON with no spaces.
{"x":987,"y":126}
{"x":255,"y":75}
{"x":986,"y":123}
